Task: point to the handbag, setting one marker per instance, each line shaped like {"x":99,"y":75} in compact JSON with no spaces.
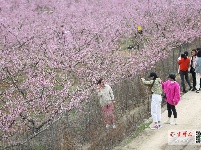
{"x":192,"y":70}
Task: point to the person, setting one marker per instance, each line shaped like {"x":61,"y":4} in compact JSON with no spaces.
{"x":200,"y":78}
{"x":156,"y":89}
{"x":172,"y":91}
{"x":198,"y":70}
{"x":192,"y":67}
{"x":106,"y":96}
{"x":184,"y":64}
{"x":182,"y":55}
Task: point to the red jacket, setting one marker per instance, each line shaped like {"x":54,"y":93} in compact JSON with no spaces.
{"x":184,"y":64}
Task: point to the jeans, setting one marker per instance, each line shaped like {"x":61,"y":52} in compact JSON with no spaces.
{"x":194,"y":79}
{"x":171,"y":108}
{"x":182,"y":75}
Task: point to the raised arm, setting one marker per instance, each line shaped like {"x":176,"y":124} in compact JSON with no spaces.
{"x":99,"y":91}
{"x":180,"y":61}
{"x":147,"y":82}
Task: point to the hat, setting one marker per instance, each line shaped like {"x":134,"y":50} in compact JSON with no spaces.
{"x":172,"y":76}
{"x":186,"y":53}
{"x":152,"y":74}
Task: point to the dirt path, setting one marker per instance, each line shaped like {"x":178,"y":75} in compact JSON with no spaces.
{"x":189,"y":118}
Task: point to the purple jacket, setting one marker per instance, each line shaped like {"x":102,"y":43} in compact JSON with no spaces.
{"x":172,"y":91}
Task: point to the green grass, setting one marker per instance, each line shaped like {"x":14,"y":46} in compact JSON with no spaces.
{"x":39,"y":147}
{"x":124,"y":45}
{"x":58,"y":87}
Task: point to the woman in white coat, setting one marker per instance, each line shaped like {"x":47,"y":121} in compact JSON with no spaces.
{"x":198,"y":70}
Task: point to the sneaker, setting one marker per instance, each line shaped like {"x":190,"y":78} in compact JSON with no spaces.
{"x":197,"y":91}
{"x":154,"y":127}
{"x":173,"y":123}
{"x":107,"y":126}
{"x":114,"y":126}
{"x":193,"y":89}
{"x":159,"y":126}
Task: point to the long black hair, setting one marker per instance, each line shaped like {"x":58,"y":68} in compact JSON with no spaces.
{"x":99,"y":81}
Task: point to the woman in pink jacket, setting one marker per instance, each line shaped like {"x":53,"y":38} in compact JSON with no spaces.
{"x":172,"y":91}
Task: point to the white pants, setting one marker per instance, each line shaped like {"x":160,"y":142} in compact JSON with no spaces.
{"x":156,"y":107}
{"x":197,"y":81}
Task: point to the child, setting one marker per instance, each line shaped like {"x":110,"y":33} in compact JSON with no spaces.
{"x":172,"y":91}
